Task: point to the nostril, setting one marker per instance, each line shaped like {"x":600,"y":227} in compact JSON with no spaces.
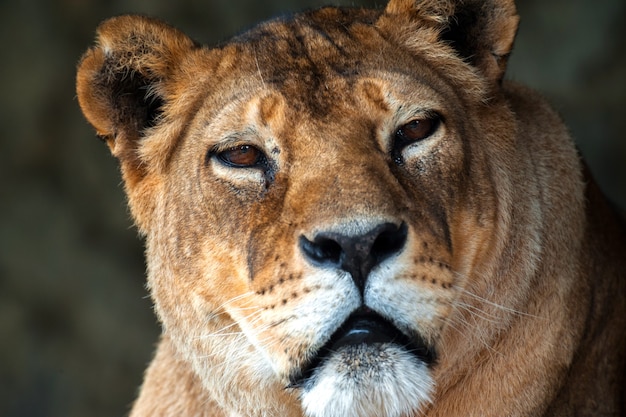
{"x":389,"y":242}
{"x":322,"y":250}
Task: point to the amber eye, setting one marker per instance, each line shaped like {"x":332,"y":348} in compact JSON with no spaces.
{"x":242,"y":156}
{"x":412,"y":132}
{"x":418,"y":129}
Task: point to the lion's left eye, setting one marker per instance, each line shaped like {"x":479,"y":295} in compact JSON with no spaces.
{"x":242,"y":156}
{"x":418,"y":129}
{"x":412,"y":132}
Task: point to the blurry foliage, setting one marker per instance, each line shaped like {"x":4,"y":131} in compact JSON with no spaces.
{"x":76,"y":327}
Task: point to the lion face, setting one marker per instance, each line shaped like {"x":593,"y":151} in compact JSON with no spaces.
{"x":324,"y":201}
{"x":322,"y":240}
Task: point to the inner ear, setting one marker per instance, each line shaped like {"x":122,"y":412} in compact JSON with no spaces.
{"x":461,"y":34}
{"x":124,"y":81}
{"x":482,"y":33}
{"x":137,"y":103}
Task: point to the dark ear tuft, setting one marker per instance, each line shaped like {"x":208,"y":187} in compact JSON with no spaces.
{"x":481,"y":32}
{"x":461,"y":32}
{"x":122,"y":82}
{"x":132,"y":96}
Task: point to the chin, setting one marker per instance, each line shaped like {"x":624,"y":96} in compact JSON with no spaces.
{"x":367,"y":370}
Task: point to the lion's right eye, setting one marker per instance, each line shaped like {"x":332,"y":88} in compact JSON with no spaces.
{"x":242,"y":156}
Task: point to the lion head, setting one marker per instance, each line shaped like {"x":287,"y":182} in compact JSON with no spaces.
{"x":347,"y":212}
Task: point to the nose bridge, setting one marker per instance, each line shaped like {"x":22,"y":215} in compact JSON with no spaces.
{"x":347,"y":183}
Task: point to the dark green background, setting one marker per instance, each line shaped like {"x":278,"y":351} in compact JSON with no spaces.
{"x":76,"y":328}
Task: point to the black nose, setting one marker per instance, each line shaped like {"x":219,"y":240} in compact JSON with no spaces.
{"x":356,"y":254}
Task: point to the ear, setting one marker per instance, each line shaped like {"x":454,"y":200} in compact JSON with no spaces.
{"x":122,"y":82}
{"x":481,"y":32}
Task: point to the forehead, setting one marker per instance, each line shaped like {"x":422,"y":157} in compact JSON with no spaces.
{"x":312,"y":42}
{"x":326,"y":68}
{"x":317,"y":60}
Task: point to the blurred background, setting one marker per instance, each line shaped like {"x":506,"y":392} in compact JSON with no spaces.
{"x":76,"y":326}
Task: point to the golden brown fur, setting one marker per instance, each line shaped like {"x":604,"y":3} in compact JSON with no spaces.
{"x":344,"y":171}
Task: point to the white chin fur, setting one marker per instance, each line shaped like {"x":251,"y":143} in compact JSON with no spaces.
{"x":368,"y":381}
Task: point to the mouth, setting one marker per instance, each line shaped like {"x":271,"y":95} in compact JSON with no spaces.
{"x":364,"y":328}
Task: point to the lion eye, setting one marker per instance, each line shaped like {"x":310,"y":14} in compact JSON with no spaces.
{"x":412,"y":132}
{"x":417,"y":130}
{"x":242,"y":156}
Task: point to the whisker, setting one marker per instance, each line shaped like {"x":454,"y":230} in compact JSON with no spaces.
{"x":488,"y":302}
{"x":219,"y":310}
{"x":475,"y":311}
{"x":466,"y":328}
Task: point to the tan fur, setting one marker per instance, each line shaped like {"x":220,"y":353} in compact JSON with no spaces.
{"x":513,"y":267}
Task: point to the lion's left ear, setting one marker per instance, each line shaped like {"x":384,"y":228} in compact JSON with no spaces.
{"x":480,"y":31}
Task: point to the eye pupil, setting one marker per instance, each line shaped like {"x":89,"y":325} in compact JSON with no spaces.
{"x":242,"y":156}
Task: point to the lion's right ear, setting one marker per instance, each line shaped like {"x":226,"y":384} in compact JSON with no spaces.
{"x":122,"y":81}
{"x":123,"y":85}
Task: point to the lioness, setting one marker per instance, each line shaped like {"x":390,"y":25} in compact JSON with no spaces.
{"x":349,"y":213}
